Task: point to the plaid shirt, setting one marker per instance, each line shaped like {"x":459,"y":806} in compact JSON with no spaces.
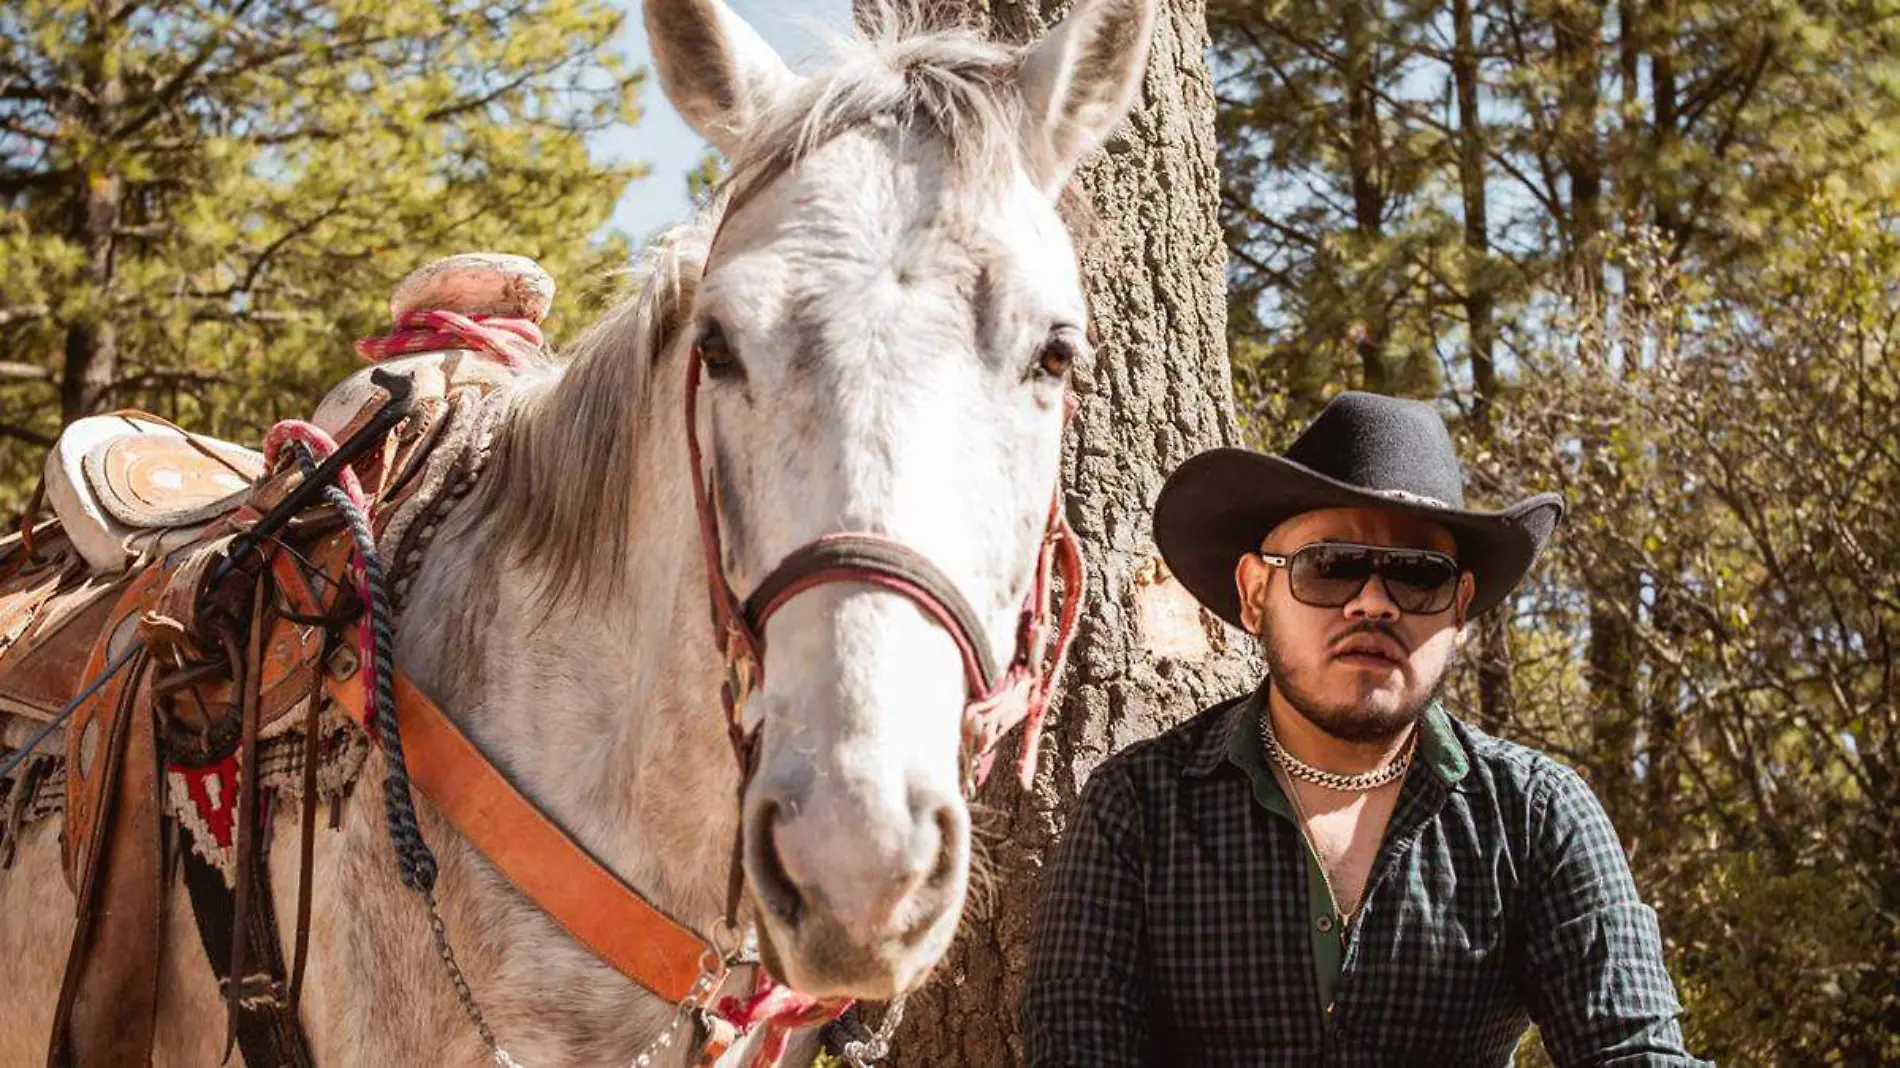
{"x":1184,"y":921}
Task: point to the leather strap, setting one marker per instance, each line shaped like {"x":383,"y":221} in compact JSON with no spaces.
{"x":995,"y":701}
{"x":108,"y":1001}
{"x":591,"y":903}
{"x":245,"y":678}
{"x":889,"y":565}
{"x":269,"y":1034}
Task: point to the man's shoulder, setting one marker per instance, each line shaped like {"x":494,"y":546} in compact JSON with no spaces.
{"x":1517,"y":774}
{"x":1197,"y":744}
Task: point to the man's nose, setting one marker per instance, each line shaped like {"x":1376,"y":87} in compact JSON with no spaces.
{"x":1373,"y":601}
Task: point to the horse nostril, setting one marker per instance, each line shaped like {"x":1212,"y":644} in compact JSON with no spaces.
{"x":947,"y":825}
{"x":774,"y":887}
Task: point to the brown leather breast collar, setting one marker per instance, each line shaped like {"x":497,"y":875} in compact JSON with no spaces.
{"x":586,"y":899}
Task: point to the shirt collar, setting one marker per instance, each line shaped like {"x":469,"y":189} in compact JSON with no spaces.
{"x":1236,"y":741}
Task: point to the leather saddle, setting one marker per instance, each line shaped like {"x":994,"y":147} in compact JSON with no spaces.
{"x":122,"y":488}
{"x":180,"y":669}
{"x":153,"y":590}
{"x":130,"y":485}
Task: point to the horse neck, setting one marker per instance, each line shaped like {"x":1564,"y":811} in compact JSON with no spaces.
{"x":569,"y":632}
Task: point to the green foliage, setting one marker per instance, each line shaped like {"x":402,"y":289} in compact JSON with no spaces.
{"x":705,"y":176}
{"x":1679,"y":223}
{"x":205,"y":203}
{"x":1367,"y":208}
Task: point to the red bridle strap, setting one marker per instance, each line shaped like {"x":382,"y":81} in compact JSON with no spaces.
{"x":888,"y":565}
{"x":997,"y":700}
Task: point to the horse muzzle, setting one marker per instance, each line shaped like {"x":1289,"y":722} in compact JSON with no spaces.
{"x":859,"y":899}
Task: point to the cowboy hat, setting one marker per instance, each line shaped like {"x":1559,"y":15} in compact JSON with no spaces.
{"x":1363,"y":450}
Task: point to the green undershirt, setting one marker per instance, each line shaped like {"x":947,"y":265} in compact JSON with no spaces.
{"x":1438,"y":750}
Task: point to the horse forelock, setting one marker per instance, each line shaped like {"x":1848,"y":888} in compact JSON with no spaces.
{"x":948,"y":85}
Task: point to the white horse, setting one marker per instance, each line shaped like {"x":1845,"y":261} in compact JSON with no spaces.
{"x":888,"y":317}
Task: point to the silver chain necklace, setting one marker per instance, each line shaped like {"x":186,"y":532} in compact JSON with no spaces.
{"x":1332,"y":780}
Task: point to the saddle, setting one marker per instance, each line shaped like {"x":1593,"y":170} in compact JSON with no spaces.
{"x":130,"y":485}
{"x":183,"y":607}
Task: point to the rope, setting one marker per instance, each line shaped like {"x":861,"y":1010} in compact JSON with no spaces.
{"x":316,"y":442}
{"x":512,"y":341}
{"x":414,"y":861}
{"x":18,"y":756}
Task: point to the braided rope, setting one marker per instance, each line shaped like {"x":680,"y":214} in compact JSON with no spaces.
{"x":512,"y":341}
{"x":414,"y":861}
{"x":317,"y":443}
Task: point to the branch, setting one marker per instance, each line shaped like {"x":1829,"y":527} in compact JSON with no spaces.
{"x":21,"y":313}
{"x":1699,"y":200}
{"x":1273,"y":274}
{"x":482,"y":101}
{"x":215,"y":315}
{"x":31,"y":437}
{"x":269,"y":251}
{"x":24,"y":372}
{"x":162,"y":98}
{"x":1289,"y":233}
{"x":13,"y":183}
{"x":164,"y":378}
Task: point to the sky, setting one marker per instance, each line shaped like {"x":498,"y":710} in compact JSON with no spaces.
{"x":662,"y":139}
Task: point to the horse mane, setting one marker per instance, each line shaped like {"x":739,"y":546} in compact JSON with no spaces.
{"x":569,"y":463}
{"x":945,"y":83}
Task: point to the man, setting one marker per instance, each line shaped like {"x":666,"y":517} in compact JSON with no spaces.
{"x":1334,"y":870}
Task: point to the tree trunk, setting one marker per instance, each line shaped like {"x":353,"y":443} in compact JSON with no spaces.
{"x":1368,"y":195}
{"x":1578,"y":30}
{"x":1662,"y":76}
{"x":1496,"y":697}
{"x":92,"y":338}
{"x":1480,"y":287}
{"x":1158,"y":391}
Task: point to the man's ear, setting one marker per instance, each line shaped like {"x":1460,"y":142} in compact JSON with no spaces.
{"x":718,"y":72}
{"x":1080,"y":81}
{"x":1251,"y":575}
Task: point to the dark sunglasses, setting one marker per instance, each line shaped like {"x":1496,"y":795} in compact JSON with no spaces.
{"x":1329,"y":574}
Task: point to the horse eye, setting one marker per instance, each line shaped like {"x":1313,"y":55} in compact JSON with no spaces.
{"x":715,"y":353}
{"x":1059,"y":351}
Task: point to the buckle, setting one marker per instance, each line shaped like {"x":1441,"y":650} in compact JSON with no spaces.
{"x":742,"y":671}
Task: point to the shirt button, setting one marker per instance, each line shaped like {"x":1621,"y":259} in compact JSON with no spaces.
{"x":1326,"y":924}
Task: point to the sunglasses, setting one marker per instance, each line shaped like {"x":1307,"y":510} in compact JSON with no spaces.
{"x":1329,"y":574}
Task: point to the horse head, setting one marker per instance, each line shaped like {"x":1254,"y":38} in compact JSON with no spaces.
{"x":884,"y":332}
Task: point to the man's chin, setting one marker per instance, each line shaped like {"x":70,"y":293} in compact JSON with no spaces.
{"x":1369,"y":715}
{"x":1363,"y":727}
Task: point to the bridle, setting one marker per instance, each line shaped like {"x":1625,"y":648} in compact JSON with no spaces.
{"x":997,"y":700}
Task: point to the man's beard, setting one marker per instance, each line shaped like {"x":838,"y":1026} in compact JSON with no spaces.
{"x":1355,"y":723}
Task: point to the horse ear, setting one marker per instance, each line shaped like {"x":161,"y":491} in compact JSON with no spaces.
{"x":1080,"y":81}
{"x":716,"y":70}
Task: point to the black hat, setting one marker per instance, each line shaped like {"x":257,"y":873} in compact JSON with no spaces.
{"x":1363,"y":451}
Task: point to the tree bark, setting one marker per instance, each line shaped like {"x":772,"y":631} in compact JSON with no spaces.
{"x":1667,"y":131}
{"x":1368,"y":193}
{"x":92,"y":338}
{"x":1158,"y":391}
{"x":1497,"y":699}
{"x":1577,"y":26}
{"x":1480,"y":297}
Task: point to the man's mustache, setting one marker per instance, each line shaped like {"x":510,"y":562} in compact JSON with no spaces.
{"x":1373,"y":627}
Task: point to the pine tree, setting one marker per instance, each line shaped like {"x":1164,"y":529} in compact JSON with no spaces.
{"x":206,"y":201}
